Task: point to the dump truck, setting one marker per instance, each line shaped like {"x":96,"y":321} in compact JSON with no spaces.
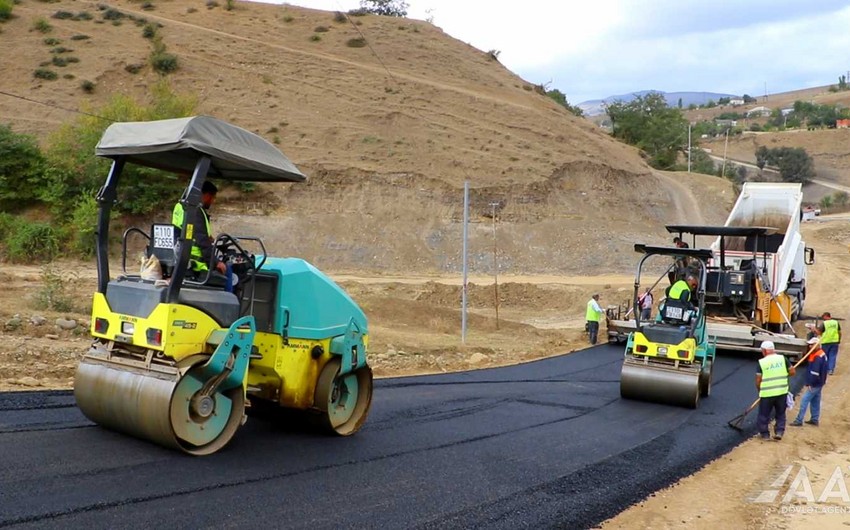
{"x":176,"y":359}
{"x":670,"y":359}
{"x":756,"y":278}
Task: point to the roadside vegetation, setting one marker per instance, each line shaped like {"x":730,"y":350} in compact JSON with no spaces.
{"x":48,"y":195}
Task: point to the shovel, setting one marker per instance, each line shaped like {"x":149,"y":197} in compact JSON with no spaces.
{"x":738,"y":421}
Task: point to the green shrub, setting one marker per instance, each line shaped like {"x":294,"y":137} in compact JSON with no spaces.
{"x":164,"y":62}
{"x":21,"y":168}
{"x":357,"y":42}
{"x":30,"y":241}
{"x":74,"y":171}
{"x":68,"y":76}
{"x":62,"y":15}
{"x":57,"y":292}
{"x":288,"y":18}
{"x":87,"y":86}
{"x":339,"y":17}
{"x":59,"y":61}
{"x":51,"y":41}
{"x":134,"y":68}
{"x":83,"y":223}
{"x":7,"y":224}
{"x":80,"y":37}
{"x":113,"y":14}
{"x":321,"y":29}
{"x":211,"y":4}
{"x":315,"y":38}
{"x":83,"y":15}
{"x":6,"y":7}
{"x":149,"y":31}
{"x":229,"y":5}
{"x":41,"y":24}
{"x":148,"y":6}
{"x":61,"y":49}
{"x":45,"y":73}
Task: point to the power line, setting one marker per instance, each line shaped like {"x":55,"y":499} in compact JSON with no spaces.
{"x":55,"y":106}
{"x":378,"y":57}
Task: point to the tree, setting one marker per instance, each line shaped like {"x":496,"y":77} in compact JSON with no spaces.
{"x":794,"y":163}
{"x":840,"y":198}
{"x":749,"y":99}
{"x":761,"y":156}
{"x":387,"y":8}
{"x":21,"y":167}
{"x":561,"y":99}
{"x":679,"y":104}
{"x":842,"y":82}
{"x":648,"y":123}
{"x":701,"y":162}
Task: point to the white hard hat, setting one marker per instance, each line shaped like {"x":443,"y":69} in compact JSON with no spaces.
{"x":768,"y":345}
{"x":814,"y":340}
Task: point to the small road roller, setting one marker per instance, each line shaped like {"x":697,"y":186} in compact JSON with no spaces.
{"x":177,"y":358}
{"x":671,"y":359}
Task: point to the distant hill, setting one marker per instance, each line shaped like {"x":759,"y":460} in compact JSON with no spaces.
{"x":594,"y":107}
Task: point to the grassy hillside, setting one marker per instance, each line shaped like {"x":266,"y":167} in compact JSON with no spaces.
{"x":387,"y":132}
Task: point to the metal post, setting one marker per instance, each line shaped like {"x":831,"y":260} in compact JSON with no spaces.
{"x":495,"y":264}
{"x":725,"y":148}
{"x":465,"y":264}
{"x":689,"y":148}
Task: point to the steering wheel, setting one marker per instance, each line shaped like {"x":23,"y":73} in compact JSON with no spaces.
{"x":230,"y":252}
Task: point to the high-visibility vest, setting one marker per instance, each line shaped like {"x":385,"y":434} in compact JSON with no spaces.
{"x":197,"y":262}
{"x":830,"y":332}
{"x":592,"y":314}
{"x":678,"y":288}
{"x":774,"y":376}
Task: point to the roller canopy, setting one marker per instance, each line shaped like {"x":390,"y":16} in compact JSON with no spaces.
{"x":722,"y":230}
{"x":699,"y":253}
{"x":176,"y":145}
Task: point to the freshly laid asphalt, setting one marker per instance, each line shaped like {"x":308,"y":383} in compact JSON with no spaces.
{"x":543,"y":444}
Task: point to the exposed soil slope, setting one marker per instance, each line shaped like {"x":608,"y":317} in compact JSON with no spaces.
{"x":388,"y":137}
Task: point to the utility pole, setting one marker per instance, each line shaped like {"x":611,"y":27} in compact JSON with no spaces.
{"x":465,"y":265}
{"x":725,"y":148}
{"x":689,"y":147}
{"x":495,"y":264}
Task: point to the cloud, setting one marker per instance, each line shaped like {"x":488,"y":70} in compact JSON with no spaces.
{"x":598,"y":48}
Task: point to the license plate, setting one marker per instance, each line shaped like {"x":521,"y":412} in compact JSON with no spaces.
{"x":673,"y":312}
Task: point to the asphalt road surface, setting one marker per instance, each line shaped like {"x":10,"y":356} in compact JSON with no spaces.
{"x":543,"y":444}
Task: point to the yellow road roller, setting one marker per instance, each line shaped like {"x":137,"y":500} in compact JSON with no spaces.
{"x":671,"y":359}
{"x":178,"y":357}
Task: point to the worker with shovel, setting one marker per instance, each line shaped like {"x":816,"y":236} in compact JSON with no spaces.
{"x":815,"y":380}
{"x":772,"y":382}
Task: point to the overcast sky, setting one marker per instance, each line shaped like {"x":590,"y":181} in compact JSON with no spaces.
{"x":591,"y":49}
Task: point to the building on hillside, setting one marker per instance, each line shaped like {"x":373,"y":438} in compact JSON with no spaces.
{"x":736,"y":102}
{"x":809,"y":213}
{"x":787,"y":111}
{"x":842,"y":124}
{"x":725,"y":123}
{"x":756,"y":112}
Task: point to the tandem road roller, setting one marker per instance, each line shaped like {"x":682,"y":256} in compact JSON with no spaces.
{"x":177,"y":359}
{"x":671,"y":359}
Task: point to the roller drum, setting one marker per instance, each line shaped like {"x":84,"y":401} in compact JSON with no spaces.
{"x":659,"y":384}
{"x":157,"y":407}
